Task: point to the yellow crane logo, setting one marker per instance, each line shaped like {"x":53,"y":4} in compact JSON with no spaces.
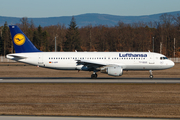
{"x":19,"y":39}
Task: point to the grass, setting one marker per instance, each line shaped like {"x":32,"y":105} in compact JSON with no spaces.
{"x":18,"y":70}
{"x":127,"y":100}
{"x":88,"y":99}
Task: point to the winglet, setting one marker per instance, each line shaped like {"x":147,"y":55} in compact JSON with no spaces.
{"x":20,"y":41}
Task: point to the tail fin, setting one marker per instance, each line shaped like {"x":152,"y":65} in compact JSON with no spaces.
{"x":20,"y":41}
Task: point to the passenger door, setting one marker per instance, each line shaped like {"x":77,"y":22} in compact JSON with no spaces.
{"x":151,"y":58}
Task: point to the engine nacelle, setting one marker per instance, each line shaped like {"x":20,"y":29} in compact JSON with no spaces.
{"x":114,"y":71}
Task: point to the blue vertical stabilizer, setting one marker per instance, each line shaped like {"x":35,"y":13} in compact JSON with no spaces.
{"x":21,"y":43}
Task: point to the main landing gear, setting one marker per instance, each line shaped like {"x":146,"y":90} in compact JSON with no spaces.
{"x":151,"y":76}
{"x":94,"y":75}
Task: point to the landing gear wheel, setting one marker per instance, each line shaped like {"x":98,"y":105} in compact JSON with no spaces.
{"x":151,"y":76}
{"x":94,"y":76}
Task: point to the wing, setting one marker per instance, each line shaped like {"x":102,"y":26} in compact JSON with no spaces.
{"x":90,"y":64}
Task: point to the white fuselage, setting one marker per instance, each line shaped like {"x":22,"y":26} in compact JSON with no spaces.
{"x":68,"y":60}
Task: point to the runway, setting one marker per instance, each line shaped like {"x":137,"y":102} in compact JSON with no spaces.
{"x":88,"y":80}
{"x":73,"y":118}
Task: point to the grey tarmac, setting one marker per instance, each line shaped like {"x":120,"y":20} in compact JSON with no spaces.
{"x":88,"y":80}
{"x":72,"y":118}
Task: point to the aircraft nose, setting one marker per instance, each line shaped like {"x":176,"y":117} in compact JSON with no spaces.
{"x":171,"y":63}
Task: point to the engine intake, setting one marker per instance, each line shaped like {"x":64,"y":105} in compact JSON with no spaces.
{"x":114,"y":71}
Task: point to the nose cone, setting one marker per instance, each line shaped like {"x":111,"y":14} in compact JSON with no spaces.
{"x":171,"y":64}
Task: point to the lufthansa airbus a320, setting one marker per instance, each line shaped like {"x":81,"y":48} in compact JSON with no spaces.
{"x":112,"y":63}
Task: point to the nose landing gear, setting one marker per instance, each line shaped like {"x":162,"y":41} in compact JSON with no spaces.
{"x":151,"y":75}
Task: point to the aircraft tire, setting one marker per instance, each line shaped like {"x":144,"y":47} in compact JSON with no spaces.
{"x":151,"y":76}
{"x":94,"y":76}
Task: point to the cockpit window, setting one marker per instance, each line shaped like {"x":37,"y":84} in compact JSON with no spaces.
{"x":163,"y":58}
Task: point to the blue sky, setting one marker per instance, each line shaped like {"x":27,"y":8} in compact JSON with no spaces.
{"x":56,"y":8}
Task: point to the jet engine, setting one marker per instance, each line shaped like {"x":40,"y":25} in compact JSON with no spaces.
{"x":113,"y":71}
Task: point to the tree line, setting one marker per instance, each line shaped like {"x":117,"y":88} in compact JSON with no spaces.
{"x":162,"y":35}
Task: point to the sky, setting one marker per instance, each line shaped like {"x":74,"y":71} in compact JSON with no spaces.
{"x":57,"y":8}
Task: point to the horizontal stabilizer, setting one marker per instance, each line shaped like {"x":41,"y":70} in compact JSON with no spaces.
{"x":15,"y":57}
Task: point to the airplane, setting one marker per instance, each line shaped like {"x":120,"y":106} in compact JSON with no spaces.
{"x":112,"y":63}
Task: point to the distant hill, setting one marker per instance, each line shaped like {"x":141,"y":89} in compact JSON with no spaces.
{"x":87,"y":19}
